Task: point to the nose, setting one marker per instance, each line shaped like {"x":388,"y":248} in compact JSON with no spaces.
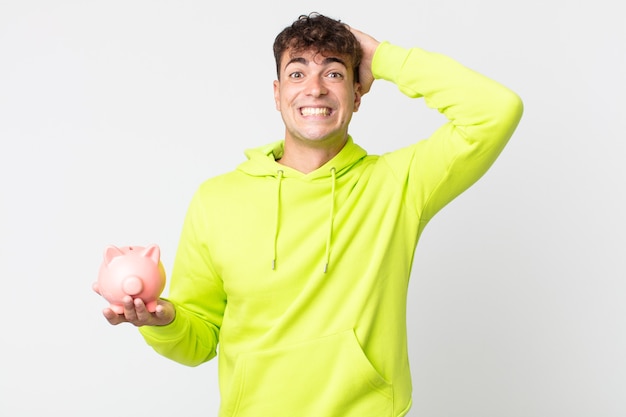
{"x":316,"y":87}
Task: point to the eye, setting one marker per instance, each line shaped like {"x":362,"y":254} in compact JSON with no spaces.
{"x":335,"y":74}
{"x":296,"y":75}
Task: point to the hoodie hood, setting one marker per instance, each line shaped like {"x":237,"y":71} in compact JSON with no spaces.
{"x":262,"y":162}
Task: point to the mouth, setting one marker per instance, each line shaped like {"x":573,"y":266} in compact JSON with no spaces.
{"x":315,"y":111}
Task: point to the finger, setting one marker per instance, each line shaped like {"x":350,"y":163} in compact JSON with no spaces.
{"x":143,"y":315}
{"x":158,"y":311}
{"x":112,"y":317}
{"x":129,"y":309}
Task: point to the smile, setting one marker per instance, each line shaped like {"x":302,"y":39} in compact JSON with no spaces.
{"x":315,"y":111}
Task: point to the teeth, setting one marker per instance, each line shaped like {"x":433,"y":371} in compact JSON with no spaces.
{"x":315,"y":111}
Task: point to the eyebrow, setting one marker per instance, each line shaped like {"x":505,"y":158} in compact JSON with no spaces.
{"x":327,"y":60}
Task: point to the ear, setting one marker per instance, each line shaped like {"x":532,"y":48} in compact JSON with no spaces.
{"x":111,"y":252}
{"x":357,"y":96}
{"x":153,"y":252}
{"x":277,"y":94}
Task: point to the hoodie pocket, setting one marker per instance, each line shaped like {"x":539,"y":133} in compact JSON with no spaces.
{"x":326,"y":377}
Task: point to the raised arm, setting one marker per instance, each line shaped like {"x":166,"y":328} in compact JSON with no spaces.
{"x":482,"y":115}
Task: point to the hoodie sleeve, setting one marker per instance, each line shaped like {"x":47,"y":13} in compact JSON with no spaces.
{"x":482,"y":116}
{"x":197,"y":293}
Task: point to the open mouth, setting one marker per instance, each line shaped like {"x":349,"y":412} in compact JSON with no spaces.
{"x":315,"y":111}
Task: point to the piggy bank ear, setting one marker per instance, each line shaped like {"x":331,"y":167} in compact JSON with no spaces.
{"x":111,"y":252}
{"x":153,"y":252}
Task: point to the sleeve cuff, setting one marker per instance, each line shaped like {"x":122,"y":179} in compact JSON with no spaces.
{"x":388,"y":61}
{"x":175,"y":330}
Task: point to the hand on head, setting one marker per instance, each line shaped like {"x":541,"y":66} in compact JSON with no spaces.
{"x":369,"y":45}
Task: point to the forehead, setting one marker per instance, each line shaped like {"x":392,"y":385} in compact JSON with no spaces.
{"x":306,"y":56}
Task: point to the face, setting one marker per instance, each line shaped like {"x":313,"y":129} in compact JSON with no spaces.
{"x":316,"y":96}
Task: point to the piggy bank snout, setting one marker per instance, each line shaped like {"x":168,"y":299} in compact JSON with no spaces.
{"x":132,"y":285}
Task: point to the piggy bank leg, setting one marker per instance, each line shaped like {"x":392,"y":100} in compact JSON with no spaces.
{"x":117,"y":308}
{"x":151,"y":306}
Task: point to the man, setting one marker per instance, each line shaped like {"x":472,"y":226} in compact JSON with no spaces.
{"x":298,"y":261}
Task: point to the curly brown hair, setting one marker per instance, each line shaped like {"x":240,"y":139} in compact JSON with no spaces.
{"x":321,"y":34}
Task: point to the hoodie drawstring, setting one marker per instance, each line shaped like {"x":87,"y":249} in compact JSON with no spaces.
{"x":329,"y":238}
{"x":280,"y":180}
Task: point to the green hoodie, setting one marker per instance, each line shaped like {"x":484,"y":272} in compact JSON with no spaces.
{"x":302,"y":278}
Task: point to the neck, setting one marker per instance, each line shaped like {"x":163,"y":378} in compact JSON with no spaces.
{"x":307,"y":159}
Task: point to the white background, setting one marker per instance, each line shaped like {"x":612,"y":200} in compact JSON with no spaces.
{"x":113,"y":112}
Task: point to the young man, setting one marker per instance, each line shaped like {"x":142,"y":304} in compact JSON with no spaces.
{"x":298,"y":261}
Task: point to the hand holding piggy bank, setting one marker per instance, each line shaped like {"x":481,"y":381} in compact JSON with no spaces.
{"x":131,"y":270}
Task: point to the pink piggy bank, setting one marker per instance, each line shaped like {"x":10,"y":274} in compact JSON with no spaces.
{"x":131,"y":270}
